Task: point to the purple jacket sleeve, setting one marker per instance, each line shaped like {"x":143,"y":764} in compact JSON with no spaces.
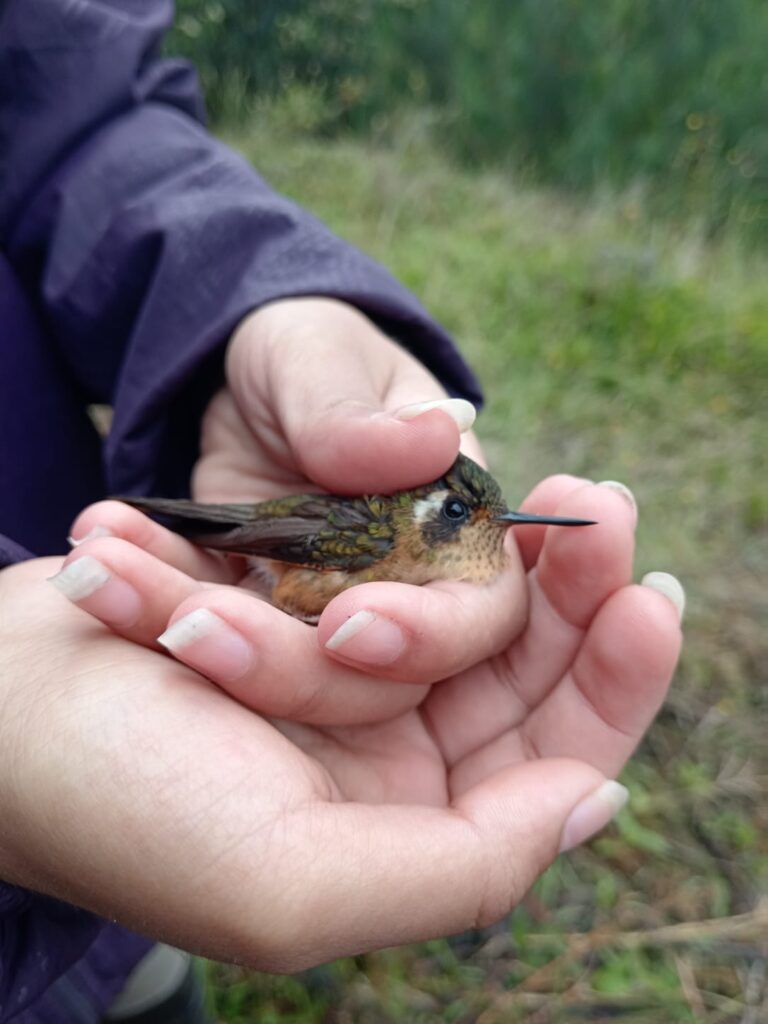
{"x":11,"y":552}
{"x":145,"y":240}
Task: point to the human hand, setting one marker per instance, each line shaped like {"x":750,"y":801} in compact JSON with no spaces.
{"x":131,"y":786}
{"x":273,"y":364}
{"x":592,"y":665}
{"x":317,"y":398}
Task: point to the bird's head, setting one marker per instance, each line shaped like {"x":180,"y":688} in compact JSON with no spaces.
{"x":460,"y":521}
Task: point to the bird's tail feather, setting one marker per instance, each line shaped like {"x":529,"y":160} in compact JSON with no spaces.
{"x":189,"y":516}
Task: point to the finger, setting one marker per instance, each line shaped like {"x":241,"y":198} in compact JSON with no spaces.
{"x":606,"y":701}
{"x":426,"y":871}
{"x":260,"y":656}
{"x":115,"y":519}
{"x":425,"y":634}
{"x":578,"y":568}
{"x":577,"y":571}
{"x":124,"y":587}
{"x":616,"y":685}
{"x":270,"y":663}
{"x":350,"y":401}
{"x":544,"y":499}
{"x":354,"y":448}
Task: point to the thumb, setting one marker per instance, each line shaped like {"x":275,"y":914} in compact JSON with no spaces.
{"x":359,"y":447}
{"x":358,"y":413}
{"x":386,"y":875}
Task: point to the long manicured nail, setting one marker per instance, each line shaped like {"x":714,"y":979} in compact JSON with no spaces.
{"x":593,"y":814}
{"x":90,"y":584}
{"x":462,"y":412}
{"x":205,"y":642}
{"x":93,"y":533}
{"x":368,"y":638}
{"x":623,"y":490}
{"x":668,"y":585}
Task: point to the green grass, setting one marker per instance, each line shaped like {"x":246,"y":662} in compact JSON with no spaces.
{"x":612,"y":347}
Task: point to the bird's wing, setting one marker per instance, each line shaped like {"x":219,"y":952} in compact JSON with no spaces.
{"x":320,"y":531}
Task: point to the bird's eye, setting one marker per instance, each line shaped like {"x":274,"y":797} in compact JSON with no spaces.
{"x":455,"y":511}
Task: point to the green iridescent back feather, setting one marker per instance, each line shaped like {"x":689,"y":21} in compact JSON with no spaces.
{"x":319,"y":530}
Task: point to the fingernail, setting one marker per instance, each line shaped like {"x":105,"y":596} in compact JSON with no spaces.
{"x":593,"y":814}
{"x":368,"y":638}
{"x":207,"y":643}
{"x":668,"y":585}
{"x":623,"y":490}
{"x":87,"y":582}
{"x":462,"y":412}
{"x":93,"y":533}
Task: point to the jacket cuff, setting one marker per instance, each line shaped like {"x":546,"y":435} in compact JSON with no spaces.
{"x":11,"y":553}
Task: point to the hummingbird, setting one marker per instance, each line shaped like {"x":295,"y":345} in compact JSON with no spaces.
{"x":307,"y":548}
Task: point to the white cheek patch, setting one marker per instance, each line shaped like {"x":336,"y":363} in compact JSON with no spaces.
{"x":427,"y":508}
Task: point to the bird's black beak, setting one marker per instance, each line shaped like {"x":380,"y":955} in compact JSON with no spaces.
{"x":524,"y":517}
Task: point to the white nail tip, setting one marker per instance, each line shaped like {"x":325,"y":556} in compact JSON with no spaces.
{"x":593,"y":813}
{"x":97,"y":531}
{"x":621,"y":489}
{"x":669,"y":586}
{"x":354,"y":625}
{"x":613,"y":795}
{"x":462,"y":412}
{"x":190,"y":628}
{"x":80,"y":579}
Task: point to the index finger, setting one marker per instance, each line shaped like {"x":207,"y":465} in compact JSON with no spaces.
{"x":425,"y":634}
{"x":115,"y":519}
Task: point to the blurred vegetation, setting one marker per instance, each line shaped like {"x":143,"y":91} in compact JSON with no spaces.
{"x":668,"y":96}
{"x":614,"y":348}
